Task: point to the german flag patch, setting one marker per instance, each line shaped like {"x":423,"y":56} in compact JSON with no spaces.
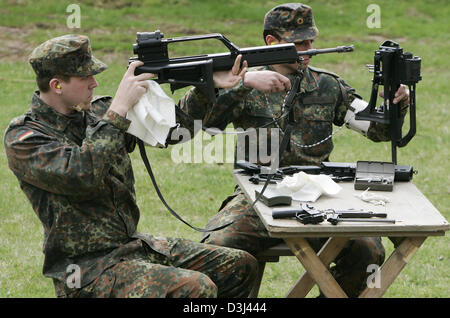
{"x":25,"y":135}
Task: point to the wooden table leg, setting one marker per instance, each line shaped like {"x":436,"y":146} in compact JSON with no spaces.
{"x":394,"y":265}
{"x":315,"y":267}
{"x":327,"y":254}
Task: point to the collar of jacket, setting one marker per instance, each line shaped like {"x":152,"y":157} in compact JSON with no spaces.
{"x":55,"y":119}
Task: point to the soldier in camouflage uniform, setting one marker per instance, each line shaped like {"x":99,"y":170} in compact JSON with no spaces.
{"x":70,"y":155}
{"x":326,"y":99}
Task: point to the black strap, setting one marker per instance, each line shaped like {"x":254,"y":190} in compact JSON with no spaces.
{"x":175,"y":214}
{"x":152,"y":177}
{"x":288,"y":106}
{"x":289,"y":103}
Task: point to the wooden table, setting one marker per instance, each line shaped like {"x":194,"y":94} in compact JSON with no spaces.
{"x":416,"y":219}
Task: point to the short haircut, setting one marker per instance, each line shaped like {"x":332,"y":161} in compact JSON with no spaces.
{"x":43,"y":81}
{"x":273,"y":33}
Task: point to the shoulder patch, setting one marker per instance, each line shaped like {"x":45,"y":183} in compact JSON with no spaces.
{"x":320,"y":70}
{"x":25,"y":135}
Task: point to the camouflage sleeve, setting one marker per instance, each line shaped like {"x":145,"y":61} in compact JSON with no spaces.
{"x":380,"y":132}
{"x":43,"y":161}
{"x":100,"y":105}
{"x":192,"y":106}
{"x":345,"y":98}
{"x":377,"y":131}
{"x":195,"y":106}
{"x":229,"y":106}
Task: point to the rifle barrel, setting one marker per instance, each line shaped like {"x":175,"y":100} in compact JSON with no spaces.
{"x":338,"y":49}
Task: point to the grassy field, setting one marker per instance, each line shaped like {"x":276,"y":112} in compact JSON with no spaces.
{"x":197,"y":190}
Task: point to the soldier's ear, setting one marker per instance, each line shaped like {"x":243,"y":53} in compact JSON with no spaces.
{"x":271,"y":40}
{"x":55,"y":86}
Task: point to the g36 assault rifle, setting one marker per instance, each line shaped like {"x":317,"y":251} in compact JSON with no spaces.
{"x":391,"y":68}
{"x":152,"y":49}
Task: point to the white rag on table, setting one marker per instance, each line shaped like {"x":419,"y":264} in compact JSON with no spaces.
{"x":308,"y":188}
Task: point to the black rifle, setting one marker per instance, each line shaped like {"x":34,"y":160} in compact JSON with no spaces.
{"x":391,"y":68}
{"x":152,"y":49}
{"x":338,"y":171}
{"x":309,"y":215}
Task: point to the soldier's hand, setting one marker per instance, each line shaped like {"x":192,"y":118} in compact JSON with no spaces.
{"x":401,"y":95}
{"x":130,"y":89}
{"x":267,"y":81}
{"x":228,"y":79}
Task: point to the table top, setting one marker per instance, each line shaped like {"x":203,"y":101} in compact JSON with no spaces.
{"x":413,"y":213}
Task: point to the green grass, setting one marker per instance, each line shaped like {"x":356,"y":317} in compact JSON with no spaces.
{"x":197,"y":190}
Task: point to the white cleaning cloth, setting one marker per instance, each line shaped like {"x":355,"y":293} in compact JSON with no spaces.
{"x":152,"y":116}
{"x":376,"y":199}
{"x":308,"y":188}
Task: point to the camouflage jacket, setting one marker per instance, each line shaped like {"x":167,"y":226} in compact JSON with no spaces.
{"x":76,"y":172}
{"x":324,"y":100}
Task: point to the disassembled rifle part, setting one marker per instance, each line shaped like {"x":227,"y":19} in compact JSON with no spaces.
{"x":307,"y":214}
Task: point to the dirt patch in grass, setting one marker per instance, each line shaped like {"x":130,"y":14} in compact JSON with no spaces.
{"x":14,"y":48}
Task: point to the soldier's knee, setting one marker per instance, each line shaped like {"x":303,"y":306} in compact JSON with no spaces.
{"x":205,"y":287}
{"x":251,"y":263}
{"x":194,"y":285}
{"x":371,"y":250}
{"x":247,"y":264}
{"x":239,"y":273}
{"x":221,"y":239}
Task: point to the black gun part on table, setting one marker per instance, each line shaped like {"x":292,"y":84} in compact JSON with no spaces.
{"x":338,"y":171}
{"x":307,"y":214}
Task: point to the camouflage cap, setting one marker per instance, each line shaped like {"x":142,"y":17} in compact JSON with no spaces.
{"x":294,"y":22}
{"x":67,"y":55}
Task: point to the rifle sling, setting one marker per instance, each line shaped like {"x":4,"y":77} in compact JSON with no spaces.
{"x":284,"y":144}
{"x":152,"y":177}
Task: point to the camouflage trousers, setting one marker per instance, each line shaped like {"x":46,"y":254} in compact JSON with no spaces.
{"x":249,"y":234}
{"x":192,"y":270}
